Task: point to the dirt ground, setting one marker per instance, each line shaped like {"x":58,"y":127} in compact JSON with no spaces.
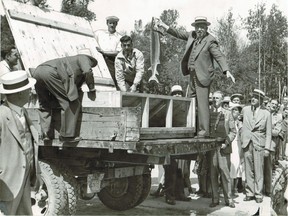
{"x":158,"y":206}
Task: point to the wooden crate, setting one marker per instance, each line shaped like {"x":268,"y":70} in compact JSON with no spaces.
{"x":95,"y":123}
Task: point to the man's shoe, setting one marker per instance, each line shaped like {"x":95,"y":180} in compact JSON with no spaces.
{"x":259,"y":200}
{"x":170,"y":201}
{"x":230,"y":204}
{"x":248,"y":198}
{"x":70,"y":139}
{"x":212,"y":205}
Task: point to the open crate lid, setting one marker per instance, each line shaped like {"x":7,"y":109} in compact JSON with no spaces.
{"x":42,"y":34}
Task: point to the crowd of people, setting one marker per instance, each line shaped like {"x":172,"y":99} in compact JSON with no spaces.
{"x":255,"y":143}
{"x":256,"y":134}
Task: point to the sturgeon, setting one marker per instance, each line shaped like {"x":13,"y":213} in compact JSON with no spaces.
{"x":154,"y":52}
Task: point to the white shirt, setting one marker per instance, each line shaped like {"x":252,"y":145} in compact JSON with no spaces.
{"x":108,"y":42}
{"x":19,"y":113}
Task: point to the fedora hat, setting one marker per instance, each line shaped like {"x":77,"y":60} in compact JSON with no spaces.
{"x":200,"y":20}
{"x":258,"y":93}
{"x":87,"y":52}
{"x":112,"y":18}
{"x":15,"y":81}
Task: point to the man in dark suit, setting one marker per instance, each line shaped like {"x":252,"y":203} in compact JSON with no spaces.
{"x":201,"y":49}
{"x":220,"y":164}
{"x":19,"y":168}
{"x":256,"y":143}
{"x":60,"y":80}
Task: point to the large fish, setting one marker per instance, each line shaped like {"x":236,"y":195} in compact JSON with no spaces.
{"x":154,"y":52}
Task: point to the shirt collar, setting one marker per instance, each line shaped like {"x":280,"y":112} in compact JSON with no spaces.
{"x":121,"y":55}
{"x":15,"y":108}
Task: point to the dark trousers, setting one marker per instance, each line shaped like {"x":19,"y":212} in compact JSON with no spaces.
{"x":51,"y":92}
{"x":220,"y":165}
{"x":268,"y":170}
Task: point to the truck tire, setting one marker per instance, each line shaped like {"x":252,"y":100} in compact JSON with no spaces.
{"x":72,"y":188}
{"x":145,"y":189}
{"x":53,"y":199}
{"x":122,"y":193}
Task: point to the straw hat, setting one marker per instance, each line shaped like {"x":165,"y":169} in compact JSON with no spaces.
{"x":15,"y":81}
{"x":200,"y":20}
{"x":258,"y":93}
{"x":240,"y":96}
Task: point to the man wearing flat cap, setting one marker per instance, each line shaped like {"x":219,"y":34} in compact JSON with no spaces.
{"x":19,"y":167}
{"x":256,"y":140}
{"x":201,"y":49}
{"x":108,"y":44}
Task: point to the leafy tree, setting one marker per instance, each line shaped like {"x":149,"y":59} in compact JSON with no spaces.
{"x":268,"y":32}
{"x":226,"y":34}
{"x":6,"y":34}
{"x":172,"y":50}
{"x":78,"y":8}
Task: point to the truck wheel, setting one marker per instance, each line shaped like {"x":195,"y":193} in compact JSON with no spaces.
{"x":51,"y":199}
{"x":122,"y":193}
{"x":72,"y":188}
{"x":145,"y":189}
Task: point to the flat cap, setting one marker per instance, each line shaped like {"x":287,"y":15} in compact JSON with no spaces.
{"x":112,"y":18}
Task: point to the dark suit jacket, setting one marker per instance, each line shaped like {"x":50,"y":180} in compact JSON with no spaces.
{"x":257,"y":129}
{"x":12,"y":156}
{"x":73,"y":71}
{"x":206,"y":51}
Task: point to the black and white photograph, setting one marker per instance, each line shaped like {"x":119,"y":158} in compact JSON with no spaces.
{"x":144,"y":107}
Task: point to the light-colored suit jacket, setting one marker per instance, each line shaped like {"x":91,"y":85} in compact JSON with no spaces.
{"x":257,"y":129}
{"x":12,"y":156}
{"x":206,"y":51}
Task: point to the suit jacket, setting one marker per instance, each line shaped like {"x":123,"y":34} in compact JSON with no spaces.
{"x":12,"y":157}
{"x":276,"y":130}
{"x":73,"y":71}
{"x":230,"y":131}
{"x":206,"y":51}
{"x":257,"y":129}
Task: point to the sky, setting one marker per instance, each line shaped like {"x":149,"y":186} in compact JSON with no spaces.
{"x":130,"y":10}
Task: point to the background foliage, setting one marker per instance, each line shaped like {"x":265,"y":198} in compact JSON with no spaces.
{"x":258,"y":62}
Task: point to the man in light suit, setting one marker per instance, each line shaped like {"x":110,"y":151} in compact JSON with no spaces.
{"x":256,"y":143}
{"x":59,"y":81}
{"x":19,"y":168}
{"x":201,"y":49}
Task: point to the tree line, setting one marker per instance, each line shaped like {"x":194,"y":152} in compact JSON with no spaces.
{"x":258,"y":62}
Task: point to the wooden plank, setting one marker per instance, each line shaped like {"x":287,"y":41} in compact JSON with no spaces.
{"x":50,"y":23}
{"x":166,"y":133}
{"x":145,"y":112}
{"x":49,"y":42}
{"x":169,"y":114}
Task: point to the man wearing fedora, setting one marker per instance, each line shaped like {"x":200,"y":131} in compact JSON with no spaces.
{"x":201,"y":49}
{"x":256,"y":140}
{"x":108,"y":44}
{"x":19,"y":168}
{"x":59,"y":82}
